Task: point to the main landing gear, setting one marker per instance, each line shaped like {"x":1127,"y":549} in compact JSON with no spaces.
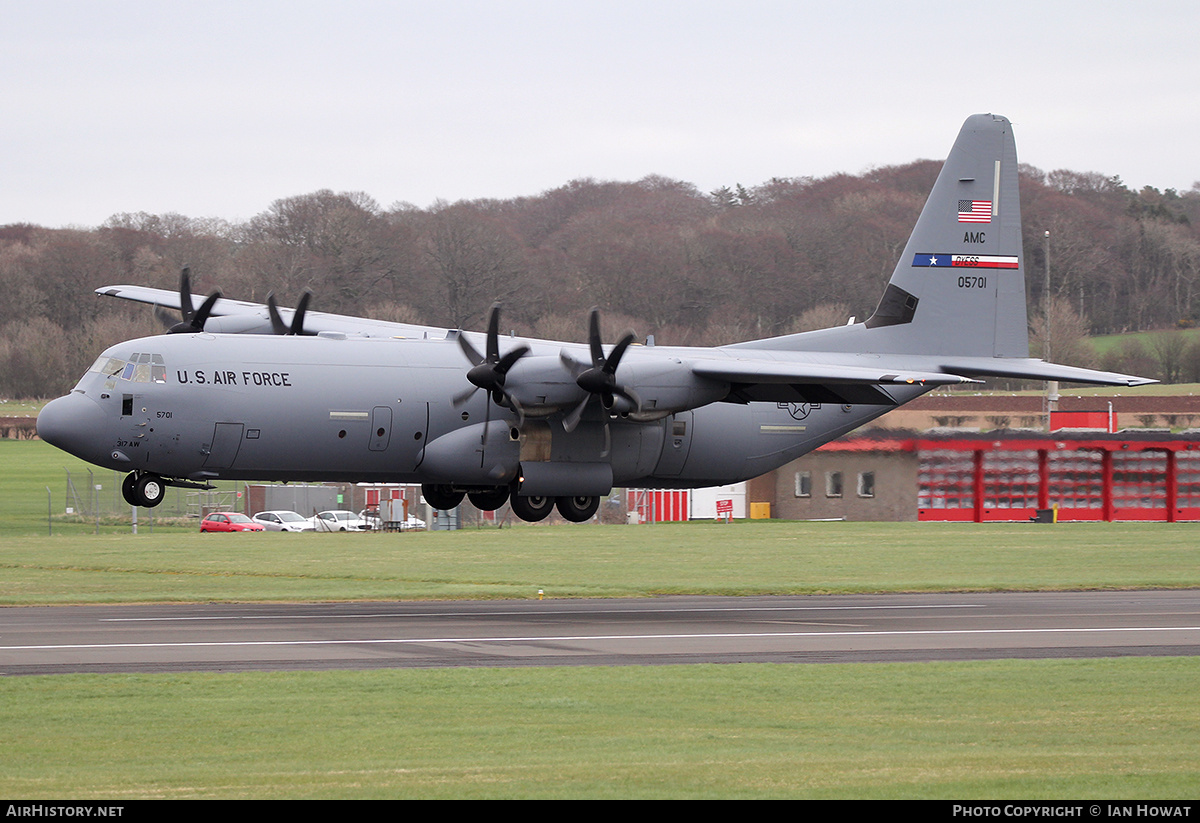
{"x":534,"y":508}
{"x":531,"y":509}
{"x":143,"y":489}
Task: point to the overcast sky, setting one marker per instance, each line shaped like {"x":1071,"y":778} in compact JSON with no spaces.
{"x":216,"y":109}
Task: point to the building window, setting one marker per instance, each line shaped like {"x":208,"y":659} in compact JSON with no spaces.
{"x":866,"y":484}
{"x":803,"y":484}
{"x":833,"y":484}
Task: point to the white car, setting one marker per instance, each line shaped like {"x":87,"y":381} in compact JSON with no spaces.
{"x":339,"y":521}
{"x":283,"y":521}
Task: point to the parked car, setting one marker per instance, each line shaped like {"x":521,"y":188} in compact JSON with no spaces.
{"x":229,"y":522}
{"x":339,"y":521}
{"x":371,"y":518}
{"x":283,"y":521}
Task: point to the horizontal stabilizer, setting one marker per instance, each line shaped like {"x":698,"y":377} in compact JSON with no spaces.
{"x":1031,"y":369}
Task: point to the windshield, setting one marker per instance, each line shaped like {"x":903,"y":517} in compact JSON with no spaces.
{"x":239,"y":518}
{"x":289,"y":517}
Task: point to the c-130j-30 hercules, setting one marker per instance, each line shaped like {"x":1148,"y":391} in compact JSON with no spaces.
{"x":541,"y":424}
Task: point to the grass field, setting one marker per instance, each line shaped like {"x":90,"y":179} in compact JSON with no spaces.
{"x":1110,"y":728}
{"x":1107,"y":342}
{"x":755,"y":557}
{"x":1121,"y":728}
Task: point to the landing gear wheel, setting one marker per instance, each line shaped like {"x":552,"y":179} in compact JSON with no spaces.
{"x":577,"y":509}
{"x":149,"y":490}
{"x":489,"y":500}
{"x":531,"y":509}
{"x":129,"y":490}
{"x":442,"y":498}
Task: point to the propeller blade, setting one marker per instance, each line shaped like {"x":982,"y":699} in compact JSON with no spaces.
{"x":614,"y":356}
{"x":185,"y":294}
{"x":594,"y":337}
{"x":493,"y":334}
{"x":301,"y":310}
{"x":164,"y":317}
{"x":297,"y":326}
{"x":571,"y":421}
{"x":510,"y":359}
{"x":205,"y":310}
{"x":472,"y":354}
{"x":514,"y":404}
{"x":277,"y":324}
{"x":460,"y":399}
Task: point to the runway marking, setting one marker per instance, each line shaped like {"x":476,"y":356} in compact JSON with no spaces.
{"x":532,"y":613}
{"x":583,"y":638}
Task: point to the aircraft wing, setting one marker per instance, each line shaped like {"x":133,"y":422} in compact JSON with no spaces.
{"x":753,"y":379}
{"x":244,"y":317}
{"x":823,"y":379}
{"x":772,"y":371}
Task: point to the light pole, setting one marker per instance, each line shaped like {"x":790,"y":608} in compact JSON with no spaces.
{"x":1051,"y":385}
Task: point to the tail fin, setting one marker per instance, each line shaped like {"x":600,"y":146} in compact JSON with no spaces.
{"x":956,"y":300}
{"x":959,"y":287}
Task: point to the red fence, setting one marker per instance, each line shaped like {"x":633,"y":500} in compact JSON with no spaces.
{"x":1086,"y":479}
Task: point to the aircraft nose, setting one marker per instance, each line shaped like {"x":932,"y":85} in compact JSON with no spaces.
{"x":73,"y":423}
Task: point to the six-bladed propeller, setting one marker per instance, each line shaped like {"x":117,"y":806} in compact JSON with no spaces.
{"x":193,"y":319}
{"x":489,"y":372}
{"x":600,"y":378}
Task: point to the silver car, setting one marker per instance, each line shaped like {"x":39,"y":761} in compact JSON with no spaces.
{"x":338,"y":521}
{"x":283,"y":521}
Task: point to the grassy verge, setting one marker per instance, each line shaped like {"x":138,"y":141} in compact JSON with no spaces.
{"x":1003,"y":729}
{"x":752,"y":557}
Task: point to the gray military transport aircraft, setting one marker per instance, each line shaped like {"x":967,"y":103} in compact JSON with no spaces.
{"x":323,"y":397}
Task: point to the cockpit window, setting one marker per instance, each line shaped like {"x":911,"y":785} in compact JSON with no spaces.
{"x":141,"y":367}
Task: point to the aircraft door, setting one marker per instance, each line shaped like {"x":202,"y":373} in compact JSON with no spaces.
{"x":227,"y":439}
{"x":677,"y":442}
{"x":135,"y":415}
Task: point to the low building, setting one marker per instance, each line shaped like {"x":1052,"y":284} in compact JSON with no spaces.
{"x":1009,"y":475}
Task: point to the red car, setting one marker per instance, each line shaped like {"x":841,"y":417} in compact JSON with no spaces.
{"x":229,"y":522}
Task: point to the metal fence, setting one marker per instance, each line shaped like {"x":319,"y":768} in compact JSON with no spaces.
{"x":97,"y":494}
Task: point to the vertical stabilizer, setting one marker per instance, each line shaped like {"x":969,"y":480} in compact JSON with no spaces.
{"x":959,"y":287}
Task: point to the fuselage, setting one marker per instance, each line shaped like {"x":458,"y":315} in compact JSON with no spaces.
{"x":332,"y":408}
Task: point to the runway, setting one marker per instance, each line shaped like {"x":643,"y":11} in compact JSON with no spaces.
{"x":668,"y":630}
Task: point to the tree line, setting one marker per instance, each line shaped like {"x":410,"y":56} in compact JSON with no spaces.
{"x":656,"y":255}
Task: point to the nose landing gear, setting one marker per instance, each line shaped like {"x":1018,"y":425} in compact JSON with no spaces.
{"x":143,"y":489}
